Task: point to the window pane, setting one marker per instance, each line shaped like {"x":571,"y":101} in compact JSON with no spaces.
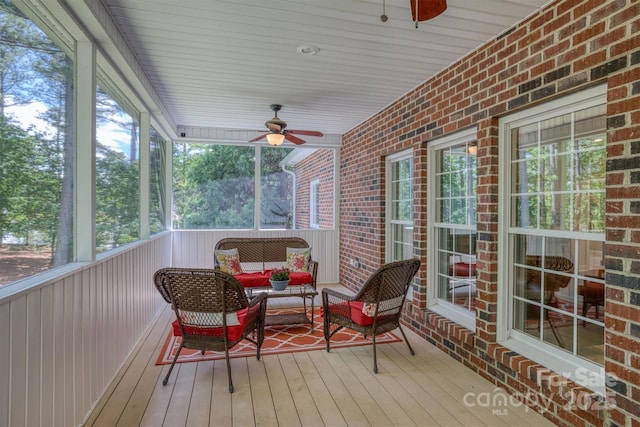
{"x":276,"y":186}
{"x":559,"y":178}
{"x":402,"y":190}
{"x":400,"y":198}
{"x":36,"y":142}
{"x":456,"y":206}
{"x":117,"y":174}
{"x":157,"y":162}
{"x":213,"y":186}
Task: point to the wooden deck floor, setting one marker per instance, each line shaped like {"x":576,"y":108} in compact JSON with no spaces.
{"x":313,"y":388}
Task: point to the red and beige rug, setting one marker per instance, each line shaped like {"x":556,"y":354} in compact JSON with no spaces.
{"x":278,"y":339}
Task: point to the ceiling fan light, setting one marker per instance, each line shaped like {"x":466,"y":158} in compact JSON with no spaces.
{"x":275,"y":138}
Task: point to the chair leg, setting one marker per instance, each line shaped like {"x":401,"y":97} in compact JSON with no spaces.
{"x":166,"y":379}
{"x":325,"y":328}
{"x":407,"y":341}
{"x":226,"y":354}
{"x":375,"y":359}
{"x":555,"y":332}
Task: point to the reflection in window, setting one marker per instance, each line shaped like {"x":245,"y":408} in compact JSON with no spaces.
{"x":36,"y":142}
{"x":455,"y":227}
{"x":557,"y":233}
{"x":117,"y":173}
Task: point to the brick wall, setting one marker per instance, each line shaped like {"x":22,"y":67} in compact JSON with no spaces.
{"x":565,"y":47}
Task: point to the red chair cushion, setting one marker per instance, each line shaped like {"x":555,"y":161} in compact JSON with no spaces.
{"x":356,"y":314}
{"x":462,"y":269}
{"x":233,"y":332}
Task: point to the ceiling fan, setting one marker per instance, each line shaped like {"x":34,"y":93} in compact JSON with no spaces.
{"x":278,"y":133}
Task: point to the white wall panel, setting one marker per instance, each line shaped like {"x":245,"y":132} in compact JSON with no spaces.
{"x":194,"y":248}
{"x":64,"y":341}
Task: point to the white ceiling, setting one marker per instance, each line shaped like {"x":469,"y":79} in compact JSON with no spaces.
{"x":220,"y":63}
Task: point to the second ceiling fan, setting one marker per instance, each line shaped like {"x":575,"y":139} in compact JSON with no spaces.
{"x":278,"y":133}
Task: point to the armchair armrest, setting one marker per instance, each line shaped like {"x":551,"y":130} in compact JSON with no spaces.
{"x":257,"y":299}
{"x":336,"y":303}
{"x":338,"y":295}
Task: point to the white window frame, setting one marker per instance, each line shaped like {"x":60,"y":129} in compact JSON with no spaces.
{"x":390,"y":254}
{"x":459,"y":315}
{"x":314,"y":204}
{"x":583,"y":372}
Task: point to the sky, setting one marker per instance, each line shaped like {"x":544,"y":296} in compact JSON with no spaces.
{"x":109,"y":134}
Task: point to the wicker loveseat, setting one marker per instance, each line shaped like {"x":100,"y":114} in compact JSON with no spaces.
{"x":259,"y":255}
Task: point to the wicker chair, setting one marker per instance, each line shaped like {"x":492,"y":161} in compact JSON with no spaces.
{"x":376,"y":309}
{"x":212,"y":311}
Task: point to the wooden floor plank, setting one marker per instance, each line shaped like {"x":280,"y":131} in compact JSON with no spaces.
{"x":242,"y":406}
{"x":200,"y":402}
{"x":263,"y":407}
{"x":459,"y":381}
{"x":321,"y":395}
{"x":160,"y":400}
{"x":407,"y":388}
{"x":221,"y":408}
{"x":183,"y":380}
{"x":393,"y":401}
{"x":349,"y":409}
{"x":305,"y":406}
{"x":280,"y":392}
{"x":365,"y":399}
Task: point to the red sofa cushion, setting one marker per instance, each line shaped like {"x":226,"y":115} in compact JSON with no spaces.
{"x":233,"y":332}
{"x":259,"y":279}
{"x":253,"y":280}
{"x":300,"y":278}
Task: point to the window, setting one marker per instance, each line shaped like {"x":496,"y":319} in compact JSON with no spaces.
{"x":117,"y":170}
{"x":453,"y":230}
{"x":555,"y":162}
{"x":36,"y":142}
{"x":399,"y":206}
{"x":157,"y":161}
{"x":314,"y":206}
{"x":214,"y":186}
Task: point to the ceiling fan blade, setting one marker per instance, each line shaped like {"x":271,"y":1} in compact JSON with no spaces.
{"x":258,"y":138}
{"x":306,"y":132}
{"x":274,"y":127}
{"x":293,"y":139}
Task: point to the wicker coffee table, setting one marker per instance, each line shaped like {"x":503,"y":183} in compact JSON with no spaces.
{"x":302,"y":291}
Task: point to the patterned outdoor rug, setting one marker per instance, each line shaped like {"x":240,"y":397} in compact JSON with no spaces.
{"x":278,"y":339}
